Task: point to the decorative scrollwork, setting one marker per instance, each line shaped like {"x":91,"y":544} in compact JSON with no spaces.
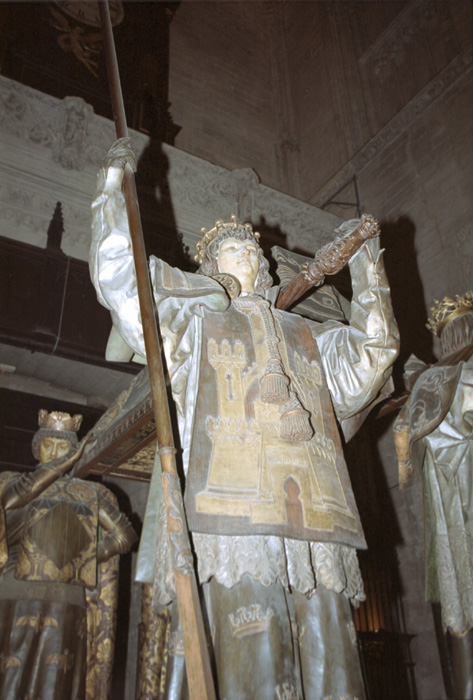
{"x":178,"y":536}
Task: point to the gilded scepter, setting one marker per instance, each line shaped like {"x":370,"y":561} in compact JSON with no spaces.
{"x":328,"y":261}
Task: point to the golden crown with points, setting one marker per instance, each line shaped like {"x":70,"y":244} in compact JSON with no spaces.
{"x":229,"y":228}
{"x":56,"y":420}
{"x":448,"y":309}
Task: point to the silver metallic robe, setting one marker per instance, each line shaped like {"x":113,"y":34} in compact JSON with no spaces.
{"x":357,"y":361}
{"x":437,"y":425}
{"x":448,"y":475}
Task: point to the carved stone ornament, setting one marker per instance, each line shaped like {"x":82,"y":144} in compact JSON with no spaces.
{"x":52,"y":135}
{"x":69,"y":146}
{"x":245,"y":182}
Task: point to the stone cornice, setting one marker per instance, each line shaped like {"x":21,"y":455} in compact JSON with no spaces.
{"x":51,"y":150}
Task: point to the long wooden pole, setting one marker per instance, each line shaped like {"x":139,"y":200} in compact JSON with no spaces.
{"x":195,"y":646}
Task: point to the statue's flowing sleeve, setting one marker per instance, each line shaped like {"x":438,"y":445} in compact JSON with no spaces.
{"x":111,"y":259}
{"x":358,"y":357}
{"x":177,"y":294}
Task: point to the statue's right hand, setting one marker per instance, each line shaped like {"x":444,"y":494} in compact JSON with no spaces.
{"x":119,"y":155}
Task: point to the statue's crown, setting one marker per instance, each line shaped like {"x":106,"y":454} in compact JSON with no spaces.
{"x":229,"y":228}
{"x":56,"y":420}
{"x":446,"y":310}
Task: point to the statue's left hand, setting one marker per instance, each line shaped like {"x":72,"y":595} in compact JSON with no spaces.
{"x":120,"y":155}
{"x":369,"y":227}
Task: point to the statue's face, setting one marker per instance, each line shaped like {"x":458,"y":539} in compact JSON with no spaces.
{"x":240,"y":259}
{"x":53,"y":448}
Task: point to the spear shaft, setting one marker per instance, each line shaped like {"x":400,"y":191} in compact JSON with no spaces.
{"x":195,"y":645}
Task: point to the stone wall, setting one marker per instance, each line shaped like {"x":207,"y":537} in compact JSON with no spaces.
{"x":222,"y":84}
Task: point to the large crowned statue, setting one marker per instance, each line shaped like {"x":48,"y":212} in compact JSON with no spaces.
{"x":60,"y":538}
{"x":269,"y":504}
{"x":434,"y":438}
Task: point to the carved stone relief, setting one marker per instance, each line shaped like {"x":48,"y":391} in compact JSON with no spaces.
{"x":60,"y":125}
{"x":58,"y":146}
{"x":70,"y":142}
{"x":22,"y":117}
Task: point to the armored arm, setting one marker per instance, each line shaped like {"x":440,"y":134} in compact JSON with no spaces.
{"x":120,"y":535}
{"x":22,"y":490}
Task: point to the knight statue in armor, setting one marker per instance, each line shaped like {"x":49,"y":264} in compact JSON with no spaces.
{"x":60,"y":539}
{"x":270,"y":508}
{"x":434,"y":437}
